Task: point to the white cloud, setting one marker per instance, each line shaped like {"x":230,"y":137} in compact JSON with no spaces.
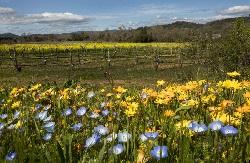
{"x":44,"y":18}
{"x":6,"y":10}
{"x":47,"y":17}
{"x":235,"y":10}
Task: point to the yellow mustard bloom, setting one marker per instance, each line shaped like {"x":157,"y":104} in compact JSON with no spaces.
{"x":160,"y":83}
{"x":233,"y":74}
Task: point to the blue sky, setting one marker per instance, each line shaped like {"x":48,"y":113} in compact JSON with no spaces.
{"x":61,"y":16}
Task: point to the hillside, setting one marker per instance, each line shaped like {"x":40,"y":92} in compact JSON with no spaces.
{"x":179,"y":31}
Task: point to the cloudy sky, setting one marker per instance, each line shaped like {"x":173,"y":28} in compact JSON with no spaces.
{"x":61,"y":16}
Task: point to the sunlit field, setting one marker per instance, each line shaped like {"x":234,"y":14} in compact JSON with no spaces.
{"x":62,"y":47}
{"x":197,"y":121}
{"x":98,"y":63}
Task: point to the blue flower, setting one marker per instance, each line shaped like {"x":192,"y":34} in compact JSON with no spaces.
{"x":206,"y":86}
{"x":67,"y":112}
{"x":143,"y":138}
{"x":151,"y":135}
{"x":192,"y":124}
{"x":101,"y":130}
{"x":47,"y":136}
{"x":124,"y":137}
{"x":91,"y":94}
{"x":111,"y":137}
{"x":103,"y":104}
{"x":92,"y":140}
{"x":77,"y":127}
{"x":118,"y":149}
{"x":159,"y":152}
{"x":94,"y":115}
{"x":3,"y":116}
{"x":215,"y":125}
{"x":16,"y":114}
{"x":105,"y":112}
{"x":81,"y":111}
{"x":229,"y":130}
{"x":42,"y":115}
{"x":10,"y":156}
{"x":198,"y":128}
{"x":1,"y":125}
{"x":49,"y":126}
{"x":47,"y":119}
{"x":38,"y":106}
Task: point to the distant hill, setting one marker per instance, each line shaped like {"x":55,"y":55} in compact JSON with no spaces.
{"x":180,"y":31}
{"x":8,"y":35}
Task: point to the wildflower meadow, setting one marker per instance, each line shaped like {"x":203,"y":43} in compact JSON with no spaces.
{"x":196,"y":121}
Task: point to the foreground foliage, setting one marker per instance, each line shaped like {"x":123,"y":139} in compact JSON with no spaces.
{"x":192,"y":122}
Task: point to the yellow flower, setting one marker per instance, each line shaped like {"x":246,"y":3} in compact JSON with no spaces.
{"x":109,"y":94}
{"x":247,"y":95}
{"x":65,"y":94}
{"x":191,"y":103}
{"x":192,"y":85}
{"x":169,"y":113}
{"x":129,"y":98}
{"x":226,"y":103}
{"x":102,"y":90}
{"x":182,"y":124}
{"x":207,"y":99}
{"x":16,"y":104}
{"x":18,"y":125}
{"x":226,"y":118}
{"x":109,"y":104}
{"x":243,"y":109}
{"x":123,"y":104}
{"x":120,"y":90}
{"x":130,"y":112}
{"x":150,"y":92}
{"x":133,"y":105}
{"x":245,"y":84}
{"x":201,"y":82}
{"x":214,"y":109}
{"x":35,"y":87}
{"x":160,"y":83}
{"x":233,"y":74}
{"x":131,"y":109}
{"x":118,"y":96}
{"x":230,"y":84}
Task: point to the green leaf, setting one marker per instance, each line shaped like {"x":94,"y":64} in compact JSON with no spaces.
{"x":182,"y":108}
{"x":60,"y":151}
